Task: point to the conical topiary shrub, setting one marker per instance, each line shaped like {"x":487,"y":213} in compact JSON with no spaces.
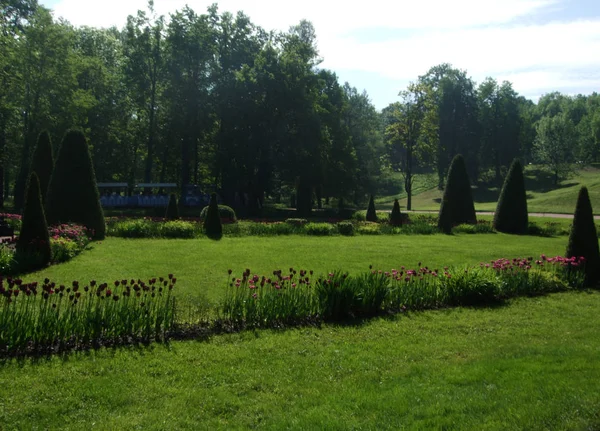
{"x":32,"y":250}
{"x":457,"y":203}
{"x":73,"y":194}
{"x":396,"y":215}
{"x":212,"y":222}
{"x":371,"y":213}
{"x":172,"y":209}
{"x":583,"y":240}
{"x":43,"y":162}
{"x":511,"y":211}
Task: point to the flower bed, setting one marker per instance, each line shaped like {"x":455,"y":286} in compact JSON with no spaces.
{"x":295,"y":296}
{"x":40,"y":317}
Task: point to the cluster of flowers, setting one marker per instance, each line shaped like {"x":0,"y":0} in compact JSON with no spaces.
{"x":519,"y":264}
{"x":278,"y":281}
{"x":73,"y":232}
{"x":10,"y":288}
{"x":412,"y":274}
{"x":10,"y":216}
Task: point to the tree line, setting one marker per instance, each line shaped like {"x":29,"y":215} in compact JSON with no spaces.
{"x":215,"y":100}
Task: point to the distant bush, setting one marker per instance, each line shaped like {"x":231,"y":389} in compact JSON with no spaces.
{"x":298,"y":222}
{"x":134,"y":228}
{"x":345,"y":228}
{"x":396,"y":216}
{"x":368,"y":228}
{"x":319,"y":229}
{"x":172,"y":209}
{"x":482,"y":226}
{"x":178,"y":229}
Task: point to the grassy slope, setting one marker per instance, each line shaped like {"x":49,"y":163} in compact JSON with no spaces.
{"x":530,"y":365}
{"x":201,"y":265}
{"x":543,"y":197}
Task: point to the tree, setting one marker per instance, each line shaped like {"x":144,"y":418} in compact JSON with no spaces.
{"x":554,"y":144}
{"x":33,"y":244}
{"x":43,"y":162}
{"x":73,"y":194}
{"x":172,"y":209}
{"x":457,"y":203}
{"x":371,"y":213}
{"x":583,"y":240}
{"x":212,"y":222}
{"x":407,"y":141}
{"x":511,"y":212}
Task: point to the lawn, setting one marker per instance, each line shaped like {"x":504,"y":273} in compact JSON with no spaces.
{"x":201,"y":265}
{"x":530,"y":365}
{"x":542,"y":195}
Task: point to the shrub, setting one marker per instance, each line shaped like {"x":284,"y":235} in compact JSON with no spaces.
{"x":212,"y":221}
{"x":457,"y":203}
{"x":368,"y":228}
{"x":134,"y":228}
{"x":172,"y":208}
{"x":226,"y":213}
{"x":396,"y":215}
{"x":63,"y":249}
{"x":346,"y":228}
{"x":371,"y":213}
{"x":177,"y":229}
{"x":482,"y":226}
{"x":583,"y":240}
{"x":511,"y":212}
{"x":73,"y":194}
{"x":42,"y":162}
{"x":33,"y":245}
{"x":319,"y":229}
{"x":298,"y":222}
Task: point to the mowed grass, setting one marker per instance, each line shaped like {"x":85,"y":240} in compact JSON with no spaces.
{"x":542,"y":195}
{"x":532,"y":364}
{"x":201,"y":265}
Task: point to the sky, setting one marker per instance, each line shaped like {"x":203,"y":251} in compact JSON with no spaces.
{"x":381,"y":46}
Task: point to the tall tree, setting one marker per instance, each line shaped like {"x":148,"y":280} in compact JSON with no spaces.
{"x":554,"y":145}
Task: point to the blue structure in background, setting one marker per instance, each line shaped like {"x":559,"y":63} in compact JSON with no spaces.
{"x":148,"y":195}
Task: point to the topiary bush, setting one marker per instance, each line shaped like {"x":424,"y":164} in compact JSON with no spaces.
{"x":396,"y":215}
{"x":511,"y":212}
{"x":371,"y":213}
{"x":226,"y":213}
{"x":346,"y":228}
{"x":583,"y":240}
{"x":42,"y":162}
{"x":32,"y":250}
{"x":319,"y":229}
{"x":457,"y":203}
{"x":73,"y":194}
{"x":172,"y":209}
{"x":212,"y":221}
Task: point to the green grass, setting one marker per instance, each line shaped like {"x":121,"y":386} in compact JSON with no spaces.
{"x":542,"y":195}
{"x":530,"y":365}
{"x":201,"y":265}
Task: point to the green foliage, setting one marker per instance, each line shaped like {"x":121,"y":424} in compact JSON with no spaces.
{"x":172,"y":209}
{"x":33,"y":245}
{"x":457,"y":202}
{"x":346,"y":228}
{"x":178,"y":229}
{"x":45,"y":315}
{"x":482,"y":226}
{"x":43,"y":162}
{"x":212,"y":221}
{"x":583,"y":240}
{"x":554,"y":144}
{"x":319,"y":229}
{"x":396,"y":218}
{"x":63,"y":249}
{"x":73,"y":194}
{"x":511,"y":213}
{"x":226,"y":213}
{"x":371,"y":213}
{"x":298,"y":222}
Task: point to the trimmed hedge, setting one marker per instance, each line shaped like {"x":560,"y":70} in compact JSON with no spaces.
{"x":172,"y":209}
{"x":511,"y":212}
{"x":73,"y":194}
{"x":212,"y":223}
{"x":226,"y":213}
{"x":457,"y":203}
{"x":583,"y":240}
{"x":371,"y":213}
{"x":33,"y":245}
{"x":43,"y":162}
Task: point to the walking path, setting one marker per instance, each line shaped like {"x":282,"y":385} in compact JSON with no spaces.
{"x":552,"y":215}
